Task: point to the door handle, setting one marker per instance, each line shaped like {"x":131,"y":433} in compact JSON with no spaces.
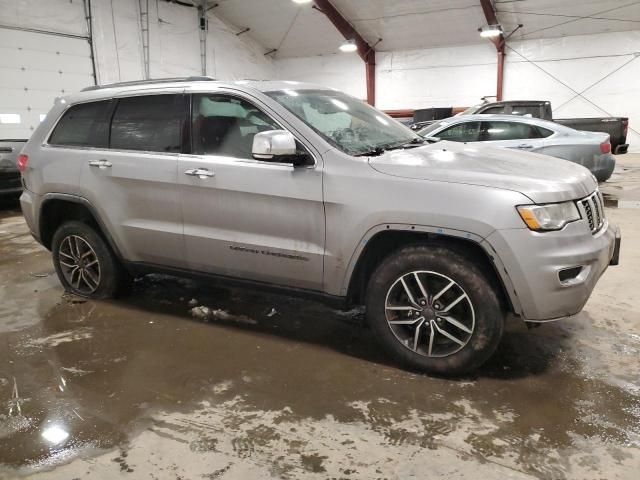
{"x":199,"y":172}
{"x":524,"y":146}
{"x":102,"y":164}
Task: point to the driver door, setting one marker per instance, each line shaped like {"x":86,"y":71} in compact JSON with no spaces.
{"x":246,"y":218}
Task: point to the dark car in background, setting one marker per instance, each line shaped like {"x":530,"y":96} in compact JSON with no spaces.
{"x":10,"y":183}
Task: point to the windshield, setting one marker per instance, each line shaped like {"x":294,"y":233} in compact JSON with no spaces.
{"x":430,"y":128}
{"x":470,"y":110}
{"x":347,"y":123}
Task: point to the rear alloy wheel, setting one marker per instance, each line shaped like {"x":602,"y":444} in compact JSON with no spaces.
{"x":432,"y":309}
{"x":79,"y":264}
{"x":85,"y":264}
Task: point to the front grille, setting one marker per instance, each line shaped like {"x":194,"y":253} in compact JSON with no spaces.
{"x":593,"y":209}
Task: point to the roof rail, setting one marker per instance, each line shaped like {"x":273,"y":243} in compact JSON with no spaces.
{"x":149,"y":82}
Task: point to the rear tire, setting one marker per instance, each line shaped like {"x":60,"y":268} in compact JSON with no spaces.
{"x":434,"y":311}
{"x":84,"y":262}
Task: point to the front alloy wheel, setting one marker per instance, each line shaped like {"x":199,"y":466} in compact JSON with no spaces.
{"x":429,"y":313}
{"x":432,"y":308}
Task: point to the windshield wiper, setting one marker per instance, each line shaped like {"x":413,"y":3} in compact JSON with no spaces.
{"x":380,"y":149}
{"x":373,"y":152}
{"x":414,"y":142}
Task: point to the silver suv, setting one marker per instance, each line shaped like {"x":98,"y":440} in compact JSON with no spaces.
{"x":308,"y":190}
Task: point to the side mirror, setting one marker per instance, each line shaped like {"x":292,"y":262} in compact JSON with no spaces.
{"x":274,"y":144}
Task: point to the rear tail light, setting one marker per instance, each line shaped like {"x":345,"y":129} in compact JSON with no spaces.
{"x":625,"y":126}
{"x":21,"y":163}
{"x":605,"y":147}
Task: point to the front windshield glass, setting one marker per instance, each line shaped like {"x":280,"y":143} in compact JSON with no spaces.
{"x":470,"y":110}
{"x":430,"y":128}
{"x":346,"y":122}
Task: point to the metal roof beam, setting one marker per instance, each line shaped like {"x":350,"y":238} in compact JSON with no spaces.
{"x":366,"y":52}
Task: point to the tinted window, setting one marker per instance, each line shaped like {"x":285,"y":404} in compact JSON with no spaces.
{"x":494,"y":110}
{"x":226,"y":125}
{"x":532,"y":110}
{"x":462,"y":132}
{"x":83,"y":125}
{"x":495,"y":131}
{"x":152,"y":123}
{"x":544,"y":132}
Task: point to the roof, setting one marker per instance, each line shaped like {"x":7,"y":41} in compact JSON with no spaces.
{"x":297,"y":30}
{"x":108,"y":91}
{"x":505,"y":118}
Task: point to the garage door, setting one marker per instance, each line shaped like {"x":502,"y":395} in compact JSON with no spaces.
{"x":35,"y":68}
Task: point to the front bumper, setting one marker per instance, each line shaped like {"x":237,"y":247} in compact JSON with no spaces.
{"x":533,"y":263}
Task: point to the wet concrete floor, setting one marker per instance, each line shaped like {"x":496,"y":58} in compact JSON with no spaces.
{"x":268,"y":386}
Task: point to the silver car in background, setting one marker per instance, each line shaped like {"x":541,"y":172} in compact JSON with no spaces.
{"x":589,"y":149}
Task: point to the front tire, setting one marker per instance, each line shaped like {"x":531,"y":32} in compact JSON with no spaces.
{"x":433,"y":310}
{"x":85,"y":264}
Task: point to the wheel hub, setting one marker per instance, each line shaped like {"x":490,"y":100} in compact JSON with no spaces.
{"x":79,"y":264}
{"x":429,"y":313}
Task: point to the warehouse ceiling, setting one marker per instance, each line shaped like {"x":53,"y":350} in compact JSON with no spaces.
{"x":299,"y":30}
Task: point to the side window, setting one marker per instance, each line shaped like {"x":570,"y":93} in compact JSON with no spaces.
{"x":496,"y":131}
{"x":83,"y":125}
{"x":532,"y":110}
{"x":461,"y":132}
{"x":494,"y":110}
{"x":543,"y":132}
{"x":224,"y":125}
{"x":150,"y":122}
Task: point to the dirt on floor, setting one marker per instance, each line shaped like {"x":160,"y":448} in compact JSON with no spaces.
{"x":184,"y":380}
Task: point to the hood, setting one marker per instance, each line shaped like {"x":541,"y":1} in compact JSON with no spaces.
{"x":542,"y":178}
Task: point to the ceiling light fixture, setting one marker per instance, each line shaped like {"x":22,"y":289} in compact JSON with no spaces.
{"x":301,"y":1}
{"x":348,"y":46}
{"x":490,"y":31}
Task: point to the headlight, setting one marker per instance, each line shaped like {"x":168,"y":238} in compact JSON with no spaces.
{"x":553,"y":216}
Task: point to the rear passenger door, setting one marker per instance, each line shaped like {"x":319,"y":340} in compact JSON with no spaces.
{"x":517,"y":135}
{"x":131,"y":180}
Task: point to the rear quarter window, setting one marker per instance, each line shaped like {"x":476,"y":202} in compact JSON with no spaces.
{"x":83,"y":125}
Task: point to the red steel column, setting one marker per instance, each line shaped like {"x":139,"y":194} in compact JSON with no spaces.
{"x":490,"y":15}
{"x":366,"y":53}
{"x":501,"y":55}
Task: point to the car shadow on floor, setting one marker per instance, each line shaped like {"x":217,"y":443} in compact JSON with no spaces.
{"x":523,"y":352}
{"x":9,"y":207}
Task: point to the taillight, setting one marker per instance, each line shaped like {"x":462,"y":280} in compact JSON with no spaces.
{"x":605,"y":147}
{"x":21,"y":163}
{"x":625,"y":126}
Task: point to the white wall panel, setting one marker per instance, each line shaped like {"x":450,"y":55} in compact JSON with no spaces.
{"x":405,"y":79}
{"x":582,"y":76}
{"x":232,"y":57}
{"x":345,"y":72}
{"x":117,"y":38}
{"x":34,"y":69}
{"x":64,"y":16}
{"x":436,"y":77}
{"x":174,"y":44}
